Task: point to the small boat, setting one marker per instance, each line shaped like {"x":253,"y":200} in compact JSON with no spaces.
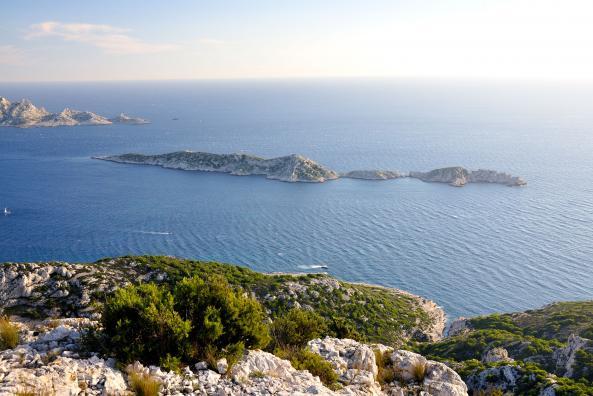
{"x":7,"y":212}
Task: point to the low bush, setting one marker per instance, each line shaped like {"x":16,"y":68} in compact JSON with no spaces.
{"x":140,"y":323}
{"x":203,"y":318}
{"x":220,"y":317}
{"x":297,"y":327}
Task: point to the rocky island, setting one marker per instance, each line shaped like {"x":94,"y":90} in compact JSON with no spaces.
{"x":296,"y":168}
{"x":24,"y":114}
{"x":136,"y":325}
{"x":459,"y":177}
{"x":290,"y":168}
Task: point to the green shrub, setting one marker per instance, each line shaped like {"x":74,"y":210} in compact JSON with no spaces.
{"x":171,"y":363}
{"x":220,"y":317}
{"x":341,"y":328}
{"x":204,"y":318}
{"x":298,"y":327}
{"x":9,"y":334}
{"x":140,"y":323}
{"x":302,"y":359}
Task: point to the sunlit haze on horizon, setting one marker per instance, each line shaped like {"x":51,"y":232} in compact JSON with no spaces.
{"x":150,"y":40}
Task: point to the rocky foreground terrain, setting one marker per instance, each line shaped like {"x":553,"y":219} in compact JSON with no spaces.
{"x":57,"y":307}
{"x":296,"y":168}
{"x":24,"y":114}
{"x":51,"y":359}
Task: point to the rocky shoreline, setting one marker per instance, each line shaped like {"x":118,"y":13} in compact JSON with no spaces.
{"x":296,"y":168}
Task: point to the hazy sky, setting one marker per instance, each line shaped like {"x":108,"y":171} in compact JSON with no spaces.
{"x":124,"y":39}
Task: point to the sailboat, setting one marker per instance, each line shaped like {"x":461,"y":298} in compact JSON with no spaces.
{"x":7,"y":212}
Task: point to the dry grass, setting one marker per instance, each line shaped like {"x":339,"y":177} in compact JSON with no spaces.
{"x":419,"y":371}
{"x":144,"y":384}
{"x":29,"y":390}
{"x":9,"y":334}
{"x":385,"y":374}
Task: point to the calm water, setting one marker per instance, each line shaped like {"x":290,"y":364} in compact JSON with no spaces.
{"x":478,"y":249}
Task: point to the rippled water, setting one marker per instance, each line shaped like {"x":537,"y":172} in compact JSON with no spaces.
{"x":477,"y":249}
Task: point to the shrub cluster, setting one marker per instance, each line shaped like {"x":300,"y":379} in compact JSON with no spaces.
{"x":200,"y":318}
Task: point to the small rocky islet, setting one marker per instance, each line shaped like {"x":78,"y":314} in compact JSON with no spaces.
{"x":297,"y":168}
{"x":398,"y":344}
{"x":24,"y":114}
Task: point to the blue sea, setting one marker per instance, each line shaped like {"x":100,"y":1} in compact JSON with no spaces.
{"x":473,"y":250}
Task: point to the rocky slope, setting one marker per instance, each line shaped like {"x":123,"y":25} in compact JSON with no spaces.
{"x":546,"y":351}
{"x":540,"y":352}
{"x":42,"y":290}
{"x":56,"y":304}
{"x":296,"y":168}
{"x":24,"y":114}
{"x":291,"y":168}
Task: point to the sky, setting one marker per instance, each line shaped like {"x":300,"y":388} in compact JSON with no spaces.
{"x":63,"y":40}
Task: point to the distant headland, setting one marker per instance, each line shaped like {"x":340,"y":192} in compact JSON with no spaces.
{"x":24,"y":114}
{"x":296,"y":168}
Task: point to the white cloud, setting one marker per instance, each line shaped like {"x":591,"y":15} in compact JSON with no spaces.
{"x":111,"y":39}
{"x":10,"y":55}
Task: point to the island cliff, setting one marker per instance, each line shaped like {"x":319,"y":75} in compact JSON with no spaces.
{"x":296,"y":168}
{"x":24,"y":114}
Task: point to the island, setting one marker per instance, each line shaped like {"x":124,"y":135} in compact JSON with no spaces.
{"x":459,"y":177}
{"x":24,"y":114}
{"x":296,"y":168}
{"x":290,"y":168}
{"x":126,"y":119}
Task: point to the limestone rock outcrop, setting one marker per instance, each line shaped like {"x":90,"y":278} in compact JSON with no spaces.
{"x":50,"y":358}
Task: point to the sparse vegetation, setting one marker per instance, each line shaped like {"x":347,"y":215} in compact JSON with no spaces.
{"x":143,"y":384}
{"x":302,"y":359}
{"x":419,"y":370}
{"x":386,"y":373}
{"x":9,"y":334}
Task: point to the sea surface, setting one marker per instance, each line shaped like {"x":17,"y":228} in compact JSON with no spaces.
{"x":474,"y":250}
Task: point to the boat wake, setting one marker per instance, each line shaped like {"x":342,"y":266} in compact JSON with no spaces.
{"x":154,"y":232}
{"x":314,"y":266}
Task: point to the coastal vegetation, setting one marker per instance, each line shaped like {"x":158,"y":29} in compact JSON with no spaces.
{"x":172,"y":313}
{"x":538,"y":345}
